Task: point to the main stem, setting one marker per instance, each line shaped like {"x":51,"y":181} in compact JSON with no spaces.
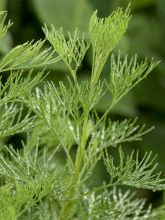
{"x":70,"y":205}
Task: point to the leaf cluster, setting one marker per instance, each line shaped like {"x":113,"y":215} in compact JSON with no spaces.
{"x":65,"y":138}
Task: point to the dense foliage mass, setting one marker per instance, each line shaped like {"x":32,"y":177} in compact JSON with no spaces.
{"x":64,"y":137}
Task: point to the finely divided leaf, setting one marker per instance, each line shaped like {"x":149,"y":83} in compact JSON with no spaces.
{"x":117,"y":205}
{"x":135,"y":172}
{"x":28,"y":55}
{"x":3,"y":28}
{"x":105,"y":33}
{"x":124,"y":75}
{"x":72,"y":50}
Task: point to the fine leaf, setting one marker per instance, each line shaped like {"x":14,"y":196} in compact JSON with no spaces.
{"x":117,"y":205}
{"x":72,"y":50}
{"x":135,"y":172}
{"x":13,"y":121}
{"x":28,"y":55}
{"x":17,"y":86}
{"x":125,"y":75}
{"x":105,"y":33}
{"x":4,"y":28}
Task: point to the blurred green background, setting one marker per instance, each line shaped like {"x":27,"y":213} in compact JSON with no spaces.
{"x":145,"y":36}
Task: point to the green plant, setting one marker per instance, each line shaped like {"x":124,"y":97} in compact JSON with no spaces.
{"x":36,"y":181}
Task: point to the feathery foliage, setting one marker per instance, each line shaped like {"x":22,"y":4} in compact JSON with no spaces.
{"x":105,"y":33}
{"x":134,"y":172}
{"x":125,"y":75}
{"x":121,"y":205}
{"x":4,"y":28}
{"x":63,"y":137}
{"x":27,"y":55}
{"x":72,"y":50}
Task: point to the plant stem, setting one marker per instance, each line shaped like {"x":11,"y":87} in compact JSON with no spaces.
{"x":71,"y":204}
{"x":80,"y":152}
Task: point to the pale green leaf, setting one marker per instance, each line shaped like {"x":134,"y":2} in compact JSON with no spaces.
{"x":3,"y":28}
{"x":135,"y":172}
{"x":72,"y":50}
{"x":105,"y":33}
{"x":124,"y":75}
{"x":28,"y":55}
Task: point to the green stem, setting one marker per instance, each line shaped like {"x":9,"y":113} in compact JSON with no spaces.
{"x":105,"y":114}
{"x":80,"y":152}
{"x":72,"y":203}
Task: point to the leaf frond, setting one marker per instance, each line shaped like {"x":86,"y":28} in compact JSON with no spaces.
{"x":117,"y":205}
{"x":17,"y":86}
{"x":135,"y":172}
{"x":105,"y":33}
{"x":4,"y":28}
{"x":117,"y":132}
{"x":28,"y":55}
{"x":13,"y":120}
{"x":124,"y":75}
{"x":26,"y":165}
{"x":72,"y":50}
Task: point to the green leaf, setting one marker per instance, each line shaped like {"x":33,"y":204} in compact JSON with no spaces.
{"x":116,"y":204}
{"x":13,"y":121}
{"x":105,"y":34}
{"x":125,"y":75}
{"x":27,"y":55}
{"x":135,"y":172}
{"x":3,"y":28}
{"x":16,"y":86}
{"x":72,"y":50}
{"x":28,"y":164}
{"x":118,"y":132}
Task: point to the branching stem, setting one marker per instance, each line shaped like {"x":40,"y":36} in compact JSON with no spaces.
{"x":71,"y":204}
